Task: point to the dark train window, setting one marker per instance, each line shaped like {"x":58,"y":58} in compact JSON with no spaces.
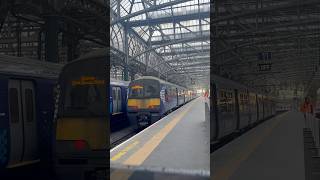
{"x":14,"y":105}
{"x":145,"y":89}
{"x":114,"y":94}
{"x":29,"y":104}
{"x":83,"y":100}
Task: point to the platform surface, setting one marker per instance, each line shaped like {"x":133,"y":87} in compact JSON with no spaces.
{"x":178,"y":144}
{"x":272,"y":150}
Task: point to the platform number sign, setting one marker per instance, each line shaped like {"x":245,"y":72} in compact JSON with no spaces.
{"x":266,"y":64}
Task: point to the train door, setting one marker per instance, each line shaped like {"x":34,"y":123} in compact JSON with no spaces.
{"x":116,"y":99}
{"x":263,"y":107}
{"x":177,"y":95}
{"x":119,"y":99}
{"x":29,"y":121}
{"x":23,"y":124}
{"x":258,"y":107}
{"x":214,"y":125}
{"x":15,"y":119}
{"x":237,"y":106}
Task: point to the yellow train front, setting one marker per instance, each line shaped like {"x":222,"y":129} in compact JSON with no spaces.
{"x":82,"y":119}
{"x":150,"y":98}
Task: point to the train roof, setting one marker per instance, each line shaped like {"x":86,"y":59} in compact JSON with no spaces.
{"x":232,"y":83}
{"x":97,"y":53}
{"x":94,"y":54}
{"x":24,"y":66}
{"x":119,"y":82}
{"x":160,"y":80}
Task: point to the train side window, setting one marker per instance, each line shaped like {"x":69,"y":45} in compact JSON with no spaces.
{"x":114,"y":97}
{"x":119,"y":99}
{"x":29,"y":104}
{"x":14,"y":105}
{"x":114,"y":100}
{"x":92,"y":94}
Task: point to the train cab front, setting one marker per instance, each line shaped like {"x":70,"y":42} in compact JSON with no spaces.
{"x":81,"y":130}
{"x":144,"y":104}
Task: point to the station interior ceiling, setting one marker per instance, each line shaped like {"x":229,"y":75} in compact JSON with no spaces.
{"x":269,"y":45}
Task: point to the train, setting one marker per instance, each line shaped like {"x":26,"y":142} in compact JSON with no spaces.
{"x":236,"y":107}
{"x":150,"y":98}
{"x":26,"y":110}
{"x":118,"y":103}
{"x":83,"y":117}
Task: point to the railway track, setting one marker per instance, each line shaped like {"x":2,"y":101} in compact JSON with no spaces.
{"x":121,"y":136}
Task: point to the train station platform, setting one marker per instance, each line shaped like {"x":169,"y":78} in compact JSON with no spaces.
{"x":272,"y":150}
{"x":176,"y":147}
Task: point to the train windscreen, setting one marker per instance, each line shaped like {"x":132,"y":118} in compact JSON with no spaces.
{"x":83,"y":90}
{"x":146,"y":88}
{"x":84,"y":99}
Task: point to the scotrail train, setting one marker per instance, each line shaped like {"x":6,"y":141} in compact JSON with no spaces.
{"x":26,"y":110}
{"x":236,"y":107}
{"x":82,"y":141}
{"x":150,"y":98}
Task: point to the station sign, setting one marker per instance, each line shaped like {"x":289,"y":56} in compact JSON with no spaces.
{"x":263,"y":56}
{"x":264,"y":66}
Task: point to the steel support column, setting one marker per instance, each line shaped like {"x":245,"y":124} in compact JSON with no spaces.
{"x":126,"y":50}
{"x":51,"y":43}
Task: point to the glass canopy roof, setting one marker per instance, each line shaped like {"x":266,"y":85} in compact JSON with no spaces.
{"x":170,"y":36}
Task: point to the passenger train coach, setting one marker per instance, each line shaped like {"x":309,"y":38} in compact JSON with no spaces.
{"x":118,"y":103}
{"x":150,"y":98}
{"x":83,"y":116}
{"x":26,"y":110}
{"x":236,"y":107}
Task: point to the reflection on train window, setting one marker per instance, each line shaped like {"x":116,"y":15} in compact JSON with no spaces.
{"x":29,"y":104}
{"x":144,"y":89}
{"x":14,"y":105}
{"x":150,"y":90}
{"x":226,"y":103}
{"x":83,"y":100}
{"x":92,"y":94}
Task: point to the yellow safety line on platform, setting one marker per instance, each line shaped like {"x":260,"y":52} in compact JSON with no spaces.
{"x":225,"y":172}
{"x":138,"y":157}
{"x":124,"y":151}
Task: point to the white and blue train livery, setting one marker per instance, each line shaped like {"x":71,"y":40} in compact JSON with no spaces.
{"x":118,"y":102}
{"x":150,"y":98}
{"x":26,"y":110}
